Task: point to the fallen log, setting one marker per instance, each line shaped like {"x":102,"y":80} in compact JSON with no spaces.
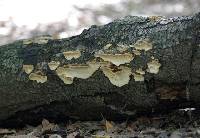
{"x":129,"y":66}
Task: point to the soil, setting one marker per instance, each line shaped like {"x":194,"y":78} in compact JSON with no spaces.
{"x":177,"y":124}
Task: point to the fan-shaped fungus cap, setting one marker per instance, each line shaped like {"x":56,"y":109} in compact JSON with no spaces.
{"x":118,"y":78}
{"x":138,"y":77}
{"x":28,"y":68}
{"x":65,"y":79}
{"x":153,"y":66}
{"x":140,"y":71}
{"x":136,"y":52}
{"x":107,"y":46}
{"x":143,"y":44}
{"x":82,"y":71}
{"x":38,"y":77}
{"x":72,"y":54}
{"x":53,"y":65}
{"x":122,"y":48}
{"x":116,"y":59}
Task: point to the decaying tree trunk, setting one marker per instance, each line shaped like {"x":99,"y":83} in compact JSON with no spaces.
{"x":129,"y":66}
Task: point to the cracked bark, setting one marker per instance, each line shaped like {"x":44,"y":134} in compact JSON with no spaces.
{"x":176,"y":44}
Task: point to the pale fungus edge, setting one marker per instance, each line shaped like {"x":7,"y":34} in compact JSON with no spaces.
{"x":28,"y":68}
{"x":118,"y":78}
{"x":143,"y":44}
{"x":138,"y":77}
{"x":69,"y":55}
{"x":77,"y":71}
{"x":153,"y":66}
{"x":38,"y":77}
{"x":116,"y":59}
{"x":53,"y":65}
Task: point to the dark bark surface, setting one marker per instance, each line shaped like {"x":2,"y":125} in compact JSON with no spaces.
{"x":175,"y":48}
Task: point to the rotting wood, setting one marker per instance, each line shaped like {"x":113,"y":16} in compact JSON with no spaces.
{"x":169,"y":57}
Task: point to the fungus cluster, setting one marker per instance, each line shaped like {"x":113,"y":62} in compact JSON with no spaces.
{"x":114,"y":65}
{"x":36,"y":76}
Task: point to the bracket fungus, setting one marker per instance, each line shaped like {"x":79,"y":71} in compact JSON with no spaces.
{"x":42,"y":39}
{"x":27,"y":41}
{"x":82,"y":71}
{"x":118,"y":77}
{"x":72,"y":54}
{"x":116,"y":59}
{"x":53,"y":65}
{"x":97,"y":64}
{"x":140,"y":71}
{"x":37,"y":76}
{"x":136,"y":52}
{"x":153,"y":66}
{"x":65,"y":79}
{"x":143,"y":44}
{"x":28,"y":68}
{"x":38,"y":40}
{"x":122,"y":48}
{"x":155,"y":18}
{"x":107,"y":46}
{"x":138,"y":77}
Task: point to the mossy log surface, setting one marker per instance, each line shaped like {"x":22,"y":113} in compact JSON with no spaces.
{"x":124,"y":86}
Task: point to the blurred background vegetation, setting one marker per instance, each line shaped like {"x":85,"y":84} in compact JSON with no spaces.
{"x":62,"y":18}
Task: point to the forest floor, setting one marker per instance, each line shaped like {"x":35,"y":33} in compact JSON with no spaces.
{"x":177,"y":124}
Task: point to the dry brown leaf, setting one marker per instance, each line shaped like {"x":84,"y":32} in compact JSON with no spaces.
{"x":108,"y":125}
{"x":46,"y":125}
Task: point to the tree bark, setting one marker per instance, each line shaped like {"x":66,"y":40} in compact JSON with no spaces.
{"x":130,"y":66}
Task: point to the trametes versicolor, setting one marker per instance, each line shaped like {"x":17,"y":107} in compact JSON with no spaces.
{"x":113,"y":65}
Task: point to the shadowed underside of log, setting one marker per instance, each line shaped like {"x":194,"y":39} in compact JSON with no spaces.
{"x":129,"y":66}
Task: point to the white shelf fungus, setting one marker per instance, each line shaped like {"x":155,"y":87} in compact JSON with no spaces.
{"x":118,"y":78}
{"x":116,"y":59}
{"x":53,"y":65}
{"x":38,"y":77}
{"x":153,"y":66}
{"x":28,"y":68}
{"x":72,"y":54}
